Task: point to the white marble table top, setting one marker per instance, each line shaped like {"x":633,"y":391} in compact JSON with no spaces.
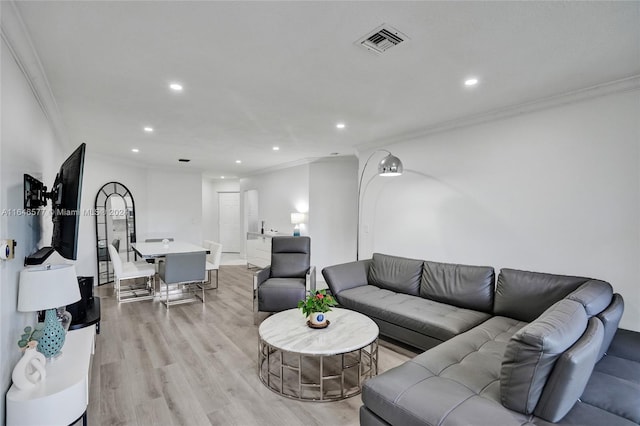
{"x":159,"y":249}
{"x":348,"y":331}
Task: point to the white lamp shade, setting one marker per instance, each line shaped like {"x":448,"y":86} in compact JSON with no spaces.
{"x":46,"y":287}
{"x":297,"y":218}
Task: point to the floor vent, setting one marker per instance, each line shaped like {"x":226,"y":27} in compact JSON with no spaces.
{"x":382,"y":39}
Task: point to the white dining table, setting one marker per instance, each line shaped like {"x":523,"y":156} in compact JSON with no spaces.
{"x":160,"y":249}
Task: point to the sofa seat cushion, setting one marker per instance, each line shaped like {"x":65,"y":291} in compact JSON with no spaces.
{"x":614,"y":385}
{"x":613,"y":391}
{"x":434,"y":319}
{"x":279,"y":294}
{"x":457,"y":382}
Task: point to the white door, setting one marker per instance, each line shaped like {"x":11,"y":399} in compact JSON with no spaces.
{"x":229,"y":221}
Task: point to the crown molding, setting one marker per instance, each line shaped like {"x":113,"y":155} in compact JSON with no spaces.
{"x":627,"y":84}
{"x":302,"y":162}
{"x":15,"y":35}
{"x":277,"y":167}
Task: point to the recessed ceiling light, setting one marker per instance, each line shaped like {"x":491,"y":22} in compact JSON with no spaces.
{"x":177,"y":87}
{"x":221,"y":177}
{"x":148,"y":129}
{"x":276,"y":148}
{"x":135,"y":150}
{"x":341,"y":125}
{"x":238,"y":161}
{"x":470,"y":82}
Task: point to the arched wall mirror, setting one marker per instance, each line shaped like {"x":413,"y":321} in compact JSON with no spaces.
{"x":115,"y":214}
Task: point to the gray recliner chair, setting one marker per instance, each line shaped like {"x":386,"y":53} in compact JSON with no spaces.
{"x":282,"y":284}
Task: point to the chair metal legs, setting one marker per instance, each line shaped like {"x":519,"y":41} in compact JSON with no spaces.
{"x":134,"y":292}
{"x":174,"y":294}
{"x":208,"y":285}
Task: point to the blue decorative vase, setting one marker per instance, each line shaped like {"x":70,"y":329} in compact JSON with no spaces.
{"x":53,"y":339}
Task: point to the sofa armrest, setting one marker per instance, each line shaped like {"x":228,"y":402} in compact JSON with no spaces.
{"x":310,"y":279}
{"x":347,"y":275}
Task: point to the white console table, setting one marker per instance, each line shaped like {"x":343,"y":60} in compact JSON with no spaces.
{"x":259,"y":248}
{"x":63,"y":397}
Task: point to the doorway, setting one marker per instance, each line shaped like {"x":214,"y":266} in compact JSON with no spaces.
{"x":229,"y":221}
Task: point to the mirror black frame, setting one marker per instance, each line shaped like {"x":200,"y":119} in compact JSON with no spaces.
{"x":105,"y":268}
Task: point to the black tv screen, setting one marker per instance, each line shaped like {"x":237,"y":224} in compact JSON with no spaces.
{"x":67,"y":190}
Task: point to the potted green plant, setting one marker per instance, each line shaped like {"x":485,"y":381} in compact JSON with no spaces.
{"x":31,"y":336}
{"x":315,"y":306}
{"x":30,"y":369}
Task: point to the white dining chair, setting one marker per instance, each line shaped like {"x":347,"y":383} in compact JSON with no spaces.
{"x":125,"y":271}
{"x":213,"y":262}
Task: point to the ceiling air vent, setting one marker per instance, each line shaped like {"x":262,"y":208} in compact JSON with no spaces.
{"x":382,"y":39}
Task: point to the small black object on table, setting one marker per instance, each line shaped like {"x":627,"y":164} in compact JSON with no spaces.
{"x":92,"y":317}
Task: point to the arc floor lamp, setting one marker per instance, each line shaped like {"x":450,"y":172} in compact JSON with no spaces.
{"x":389,"y":166}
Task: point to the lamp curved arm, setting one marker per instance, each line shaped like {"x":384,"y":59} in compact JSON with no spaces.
{"x":359,"y":198}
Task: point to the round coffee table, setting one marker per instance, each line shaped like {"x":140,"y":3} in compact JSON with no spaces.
{"x":326,"y":364}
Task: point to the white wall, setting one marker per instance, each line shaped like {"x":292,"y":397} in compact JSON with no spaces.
{"x":280,"y":193}
{"x":174,"y":206}
{"x":99,"y":170}
{"x":554,"y":191}
{"x":333,"y":185}
{"x":210,"y":189}
{"x":27,"y":145}
{"x":168,"y":204}
{"x":326,"y":188}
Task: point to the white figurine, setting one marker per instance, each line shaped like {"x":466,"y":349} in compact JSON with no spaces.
{"x":30,"y":368}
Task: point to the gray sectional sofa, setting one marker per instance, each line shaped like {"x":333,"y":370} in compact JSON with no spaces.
{"x":517,"y":351}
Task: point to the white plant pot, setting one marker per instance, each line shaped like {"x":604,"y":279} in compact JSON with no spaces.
{"x":318,"y":318}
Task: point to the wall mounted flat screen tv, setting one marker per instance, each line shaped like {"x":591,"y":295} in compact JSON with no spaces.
{"x":67,"y":190}
{"x":65,"y":199}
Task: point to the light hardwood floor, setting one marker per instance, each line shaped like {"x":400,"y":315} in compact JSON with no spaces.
{"x":196,"y":364}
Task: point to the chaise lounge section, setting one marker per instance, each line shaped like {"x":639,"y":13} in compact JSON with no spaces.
{"x":520,"y":354}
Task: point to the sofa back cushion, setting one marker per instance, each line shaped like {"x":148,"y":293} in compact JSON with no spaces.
{"x":525,"y":295}
{"x":595,"y":296}
{"x":398,"y":274}
{"x":464,"y":286}
{"x":610,"y":318}
{"x":533,"y":350}
{"x":346,"y":275}
{"x":571,"y":374}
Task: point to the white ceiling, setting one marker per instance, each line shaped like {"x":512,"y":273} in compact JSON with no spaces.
{"x":259,"y":74}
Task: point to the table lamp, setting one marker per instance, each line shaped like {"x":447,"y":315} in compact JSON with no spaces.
{"x":47,"y":288}
{"x":297,"y":219}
